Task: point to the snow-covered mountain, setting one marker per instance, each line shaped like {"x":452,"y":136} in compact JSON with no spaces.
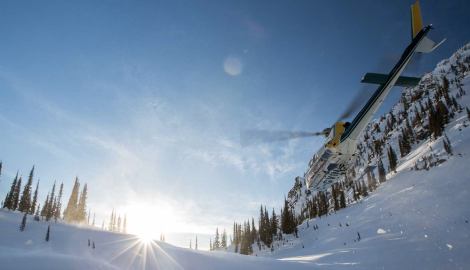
{"x":418,"y":218}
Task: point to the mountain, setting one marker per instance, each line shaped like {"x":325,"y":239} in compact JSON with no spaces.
{"x":418,"y":218}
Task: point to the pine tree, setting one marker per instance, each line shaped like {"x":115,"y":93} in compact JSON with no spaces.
{"x":23,"y":222}
{"x":195,"y":246}
{"x":216,"y":239}
{"x":119,"y":225}
{"x":373,"y":181}
{"x":70,"y":213}
{"x":381,"y":169}
{"x":224,"y":240}
{"x":111,"y":226}
{"x":274,"y":224}
{"x":35,"y":200}
{"x":342,"y":199}
{"x":16,"y":195}
{"x":36,"y":216}
{"x":190,"y":247}
{"x":9,"y":198}
{"x":210,"y":245}
{"x":102,"y":225}
{"x":335,"y":197}
{"x":124,"y":225}
{"x":81,"y":209}
{"x":468,"y":112}
{"x":25,"y":202}
{"x":364,"y":189}
{"x":267,"y":228}
{"x":44,"y":207}
{"x":93,"y":224}
{"x":50,"y":204}
{"x":354,"y":193}
{"x":235,"y":236}
{"x":392,"y":157}
{"x":58,"y":207}
{"x":253,"y":230}
{"x":48,"y":233}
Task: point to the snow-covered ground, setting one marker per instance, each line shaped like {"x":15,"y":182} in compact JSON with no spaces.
{"x":68,"y":249}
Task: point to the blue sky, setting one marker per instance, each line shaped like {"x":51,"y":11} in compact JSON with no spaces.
{"x":144,"y":100}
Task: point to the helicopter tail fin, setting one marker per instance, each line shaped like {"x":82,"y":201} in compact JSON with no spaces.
{"x":427,"y":45}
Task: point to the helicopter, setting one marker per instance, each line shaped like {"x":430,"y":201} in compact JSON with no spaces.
{"x":339,"y":152}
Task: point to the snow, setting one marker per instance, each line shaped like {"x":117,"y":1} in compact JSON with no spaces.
{"x":68,"y":249}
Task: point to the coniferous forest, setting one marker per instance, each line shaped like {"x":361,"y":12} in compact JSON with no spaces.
{"x":23,"y":199}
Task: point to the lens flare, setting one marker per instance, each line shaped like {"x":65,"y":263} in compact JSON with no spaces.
{"x":233,"y":66}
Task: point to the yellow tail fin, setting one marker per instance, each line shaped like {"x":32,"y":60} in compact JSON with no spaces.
{"x":416,"y":20}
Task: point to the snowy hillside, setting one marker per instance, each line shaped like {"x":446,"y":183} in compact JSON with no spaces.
{"x":418,"y":218}
{"x":68,"y":249}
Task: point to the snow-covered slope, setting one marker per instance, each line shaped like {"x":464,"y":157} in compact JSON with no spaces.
{"x":415,"y":220}
{"x":68,"y":249}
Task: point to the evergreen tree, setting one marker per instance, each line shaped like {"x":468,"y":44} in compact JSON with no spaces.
{"x":335,"y":197}
{"x":253,"y":230}
{"x":235,"y":236}
{"x":210,"y":244}
{"x":287,"y":221}
{"x":190,"y":247}
{"x":48,"y":233}
{"x":392,"y":157}
{"x":70,"y":213}
{"x":35,"y":200}
{"x":36,"y":216}
{"x":102,"y":225}
{"x":267,"y":228}
{"x":25,"y":202}
{"x":23,"y":222}
{"x":262,"y":226}
{"x":373,"y":181}
{"x":93,"y":224}
{"x":9,"y":198}
{"x":274,"y":224}
{"x":195,"y":246}
{"x":50,"y":204}
{"x":364,"y":189}
{"x":354,"y":193}
{"x":342,"y":199}
{"x":468,"y":112}
{"x":44,"y":207}
{"x":111,"y":225}
{"x":58,"y":207}
{"x":216,"y":239}
{"x":381,"y":170}
{"x":16,"y":195}
{"x":224,"y":240}
{"x":119,"y":224}
{"x":124,"y":225}
{"x":81,"y":209}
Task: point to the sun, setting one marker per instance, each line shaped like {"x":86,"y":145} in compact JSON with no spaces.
{"x":147,"y":236}
{"x":150,"y":220}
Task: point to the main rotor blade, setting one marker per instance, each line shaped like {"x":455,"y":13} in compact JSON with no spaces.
{"x":359,"y":100}
{"x":253,"y":136}
{"x":384,"y":65}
